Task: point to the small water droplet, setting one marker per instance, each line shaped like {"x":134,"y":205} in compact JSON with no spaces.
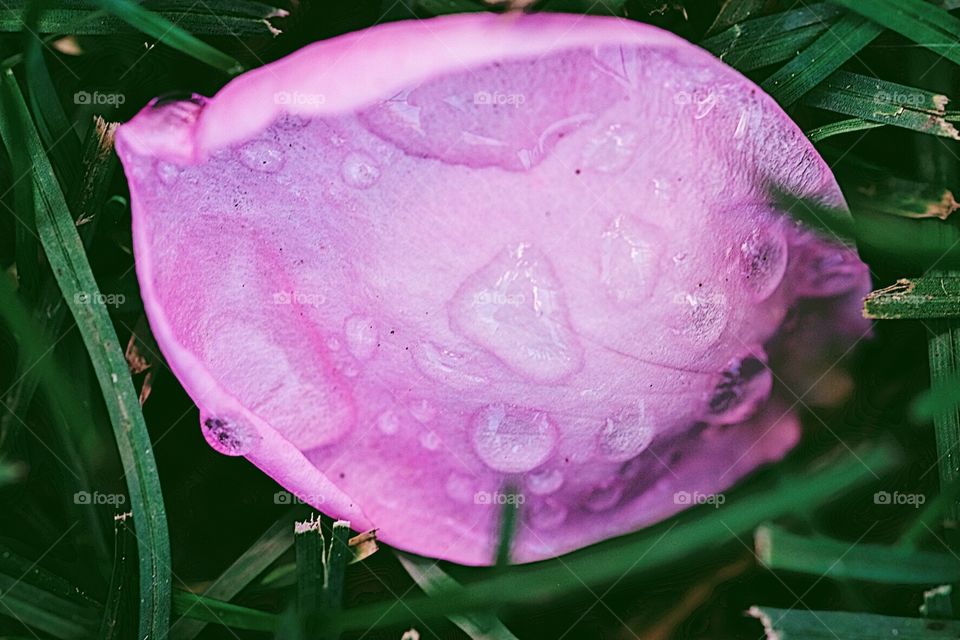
{"x":388,"y":422}
{"x":612,"y":149}
{"x":742,"y":388}
{"x":229,"y":436}
{"x":168,"y":172}
{"x":546,"y":514}
{"x":763,"y":261}
{"x":262,"y":155}
{"x":359,"y":170}
{"x":544,"y":481}
{"x":422,"y":410}
{"x":361,"y":336}
{"x":430,"y":440}
{"x":460,"y":488}
{"x":701,"y":315}
{"x":626,"y":434}
{"x":604,"y":497}
{"x":333,"y":344}
{"x":446,"y":366}
{"x":513,"y":439}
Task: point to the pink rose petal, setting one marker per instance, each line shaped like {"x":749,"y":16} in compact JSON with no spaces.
{"x":400,"y":269}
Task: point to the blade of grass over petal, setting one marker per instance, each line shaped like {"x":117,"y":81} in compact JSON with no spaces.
{"x":842,"y":41}
{"x":884,"y":102}
{"x":804,"y":624}
{"x":170,"y":34}
{"x":923,"y":22}
{"x":436,"y":582}
{"x":694,"y":531}
{"x":771,"y":39}
{"x":65,"y":253}
{"x":781,"y":550}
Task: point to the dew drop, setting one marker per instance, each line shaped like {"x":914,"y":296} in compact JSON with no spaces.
{"x":763,"y":261}
{"x":513,"y":439}
{"x":629,"y":259}
{"x":604,"y":497}
{"x":430,"y":440}
{"x":168,"y":172}
{"x":701,"y":315}
{"x":388,"y":422}
{"x":359,"y":170}
{"x":626,"y":434}
{"x":460,"y":488}
{"x":743,"y":386}
{"x":612,"y":149}
{"x":546,"y":514}
{"x":544,"y":482}
{"x":360,"y":333}
{"x":514,"y":307}
{"x":446,"y":366}
{"x":262,"y":155}
{"x":422,"y":410}
{"x":229,"y":436}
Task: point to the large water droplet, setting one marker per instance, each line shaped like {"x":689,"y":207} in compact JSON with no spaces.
{"x":544,"y":481}
{"x":546,"y":514}
{"x":361,"y":336}
{"x":626,"y":434}
{"x":513,"y":439}
{"x":611,"y":149}
{"x":629,"y":259}
{"x":359,"y":170}
{"x":701,"y":315}
{"x":229,"y":436}
{"x":262,"y":155}
{"x":514,"y":307}
{"x":763,"y":260}
{"x":743,"y":386}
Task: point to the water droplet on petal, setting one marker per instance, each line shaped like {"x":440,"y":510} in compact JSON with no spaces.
{"x":544,"y":481}
{"x":546,"y":514}
{"x":430,"y":440}
{"x":388,"y":422}
{"x":604,"y":497}
{"x":446,"y":366}
{"x":763,"y":260}
{"x":229,"y":436}
{"x":743,"y":386}
{"x":422,"y":410}
{"x":262,"y":155}
{"x":629,"y":259}
{"x":361,"y":336}
{"x":612,"y":149}
{"x":359,"y":170}
{"x":513,"y":439}
{"x":626,"y":434}
{"x":460,"y":488}
{"x":700,"y":315}
{"x":168,"y":172}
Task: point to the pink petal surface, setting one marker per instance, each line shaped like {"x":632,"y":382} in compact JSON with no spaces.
{"x":401,"y":268}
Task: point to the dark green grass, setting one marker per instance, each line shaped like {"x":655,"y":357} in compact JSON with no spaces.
{"x":209,"y":549}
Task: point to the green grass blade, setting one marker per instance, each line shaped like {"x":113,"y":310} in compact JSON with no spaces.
{"x":936,"y":602}
{"x":335,"y":565}
{"x":734,"y":11}
{"x":943,"y":348}
{"x":222,"y":613}
{"x":884,"y":102}
{"x":268,"y":548}
{"x":119,"y":614}
{"x":940,"y":398}
{"x":308,"y":542}
{"x":764,"y":41}
{"x":780,"y":550}
{"x":915,"y":299}
{"x":842,"y":41}
{"x":838,"y":128}
{"x":10,"y":472}
{"x":170,"y":34}
{"x":918,"y":20}
{"x":435,"y":582}
{"x":65,"y":253}
{"x":693,"y":532}
{"x":803,"y":624}
{"x":213,"y":19}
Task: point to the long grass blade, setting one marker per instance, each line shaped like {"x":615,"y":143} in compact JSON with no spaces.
{"x":804,"y":624}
